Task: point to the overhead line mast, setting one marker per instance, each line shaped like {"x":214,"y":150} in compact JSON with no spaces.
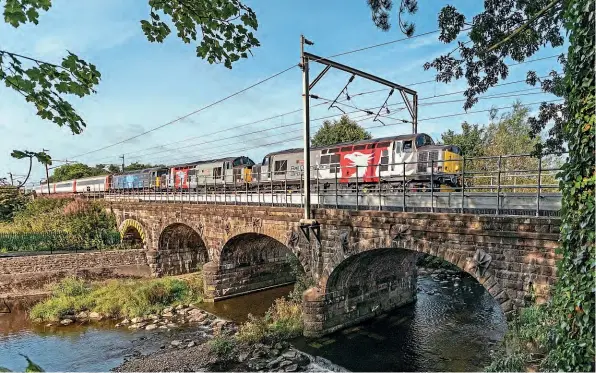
{"x":409,"y":96}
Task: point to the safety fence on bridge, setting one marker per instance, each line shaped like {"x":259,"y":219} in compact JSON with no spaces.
{"x":502,"y":185}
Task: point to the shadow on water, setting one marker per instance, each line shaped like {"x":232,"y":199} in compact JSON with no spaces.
{"x":238,"y":308}
{"x":449,"y":328}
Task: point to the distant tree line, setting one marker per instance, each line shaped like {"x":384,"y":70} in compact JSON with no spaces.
{"x":81,"y":170}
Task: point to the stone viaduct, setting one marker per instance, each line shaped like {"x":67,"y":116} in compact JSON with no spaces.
{"x":362,"y":262}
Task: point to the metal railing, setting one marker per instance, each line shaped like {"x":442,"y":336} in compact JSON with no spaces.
{"x":511,"y":185}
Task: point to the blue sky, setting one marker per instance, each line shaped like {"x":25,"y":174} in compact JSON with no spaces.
{"x":145,"y":85}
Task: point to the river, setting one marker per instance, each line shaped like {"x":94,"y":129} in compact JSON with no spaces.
{"x":452,"y":326}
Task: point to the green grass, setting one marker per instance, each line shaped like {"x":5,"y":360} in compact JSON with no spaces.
{"x":282,"y":321}
{"x":118,"y":298}
{"x":527,"y":342}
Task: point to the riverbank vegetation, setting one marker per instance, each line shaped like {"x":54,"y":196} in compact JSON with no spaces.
{"x":59,"y":224}
{"x":118,"y":298}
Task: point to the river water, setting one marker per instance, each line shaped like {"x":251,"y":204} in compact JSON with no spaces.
{"x":452,"y":326}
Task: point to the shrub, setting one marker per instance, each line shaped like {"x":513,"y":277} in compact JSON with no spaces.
{"x":282,"y":321}
{"x":222,"y":345}
{"x":118,"y":298}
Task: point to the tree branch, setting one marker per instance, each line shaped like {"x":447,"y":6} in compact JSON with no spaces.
{"x":524,"y":26}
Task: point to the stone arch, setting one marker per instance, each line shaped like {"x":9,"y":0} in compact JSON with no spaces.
{"x":180,"y":250}
{"x":353,"y":241}
{"x":132,"y":231}
{"x":250,"y":262}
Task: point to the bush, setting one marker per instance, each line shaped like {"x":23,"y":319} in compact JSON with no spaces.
{"x":222,"y":345}
{"x":527,"y":342}
{"x":118,"y":298}
{"x":282,"y":321}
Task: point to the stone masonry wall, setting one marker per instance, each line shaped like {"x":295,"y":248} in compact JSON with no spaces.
{"x":513,"y":257}
{"x":33,"y":272}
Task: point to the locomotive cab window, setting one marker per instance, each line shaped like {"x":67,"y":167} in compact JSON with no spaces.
{"x":265,"y":161}
{"x":280,"y":167}
{"x":407,"y":146}
{"x":422,"y":140}
{"x":216,"y":172}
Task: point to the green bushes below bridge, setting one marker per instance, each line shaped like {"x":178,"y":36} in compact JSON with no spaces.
{"x":59,"y":224}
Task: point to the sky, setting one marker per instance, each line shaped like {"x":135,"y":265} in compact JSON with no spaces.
{"x":145,"y":85}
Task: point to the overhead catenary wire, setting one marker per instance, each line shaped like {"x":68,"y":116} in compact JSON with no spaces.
{"x":246,"y":89}
{"x":358,"y":110}
{"x":298,"y":110}
{"x":235,"y":151}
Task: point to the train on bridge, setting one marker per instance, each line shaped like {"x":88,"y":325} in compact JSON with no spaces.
{"x":412,"y":160}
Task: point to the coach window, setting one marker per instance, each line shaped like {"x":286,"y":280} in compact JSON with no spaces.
{"x":359,"y":147}
{"x":407,"y":146}
{"x":325,"y":159}
{"x":280,"y":167}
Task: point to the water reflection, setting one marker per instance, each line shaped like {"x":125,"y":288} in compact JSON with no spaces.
{"x":449,"y":328}
{"x":238,"y":308}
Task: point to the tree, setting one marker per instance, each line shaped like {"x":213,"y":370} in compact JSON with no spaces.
{"x":470,"y":140}
{"x":344,"y":130}
{"x":224,"y":27}
{"x":75,"y":171}
{"x":113,"y":169}
{"x":139,"y":166}
{"x":42,"y":157}
{"x":517,"y":29}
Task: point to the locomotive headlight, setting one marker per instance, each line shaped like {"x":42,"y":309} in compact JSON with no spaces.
{"x":440,"y":168}
{"x":456,"y":167}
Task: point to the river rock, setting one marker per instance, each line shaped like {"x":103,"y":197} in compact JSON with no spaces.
{"x":125,"y":322}
{"x":167,"y":309}
{"x":95,"y":316}
{"x":289,"y":354}
{"x":284,"y":363}
{"x":191,"y":344}
{"x":151,"y":327}
{"x":168,"y":314}
{"x":176,"y":343}
{"x":153,"y":317}
{"x":172,"y":325}
{"x":137,"y":320}
{"x":82,"y":315}
{"x":242,"y":357}
{"x":66,"y":321}
{"x":275,"y":352}
{"x":179,"y":307}
{"x":292,"y":368}
{"x":274,"y":362}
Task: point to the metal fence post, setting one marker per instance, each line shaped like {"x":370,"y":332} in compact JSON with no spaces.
{"x":379,"y":185}
{"x":246,"y":192}
{"x":432,"y":185}
{"x":301,"y":190}
{"x":336,"y":202}
{"x":499,"y":186}
{"x":205,"y":182}
{"x":463,"y":184}
{"x":318,"y":185}
{"x":286,"y":188}
{"x":259,"y":188}
{"x":538,"y":185}
{"x":357,"y":193}
{"x":271,"y":185}
{"x":403,"y":188}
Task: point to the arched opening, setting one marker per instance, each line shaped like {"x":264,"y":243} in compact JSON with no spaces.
{"x":181,"y":250}
{"x":132,"y":238}
{"x":132,"y":234}
{"x":251,"y":262}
